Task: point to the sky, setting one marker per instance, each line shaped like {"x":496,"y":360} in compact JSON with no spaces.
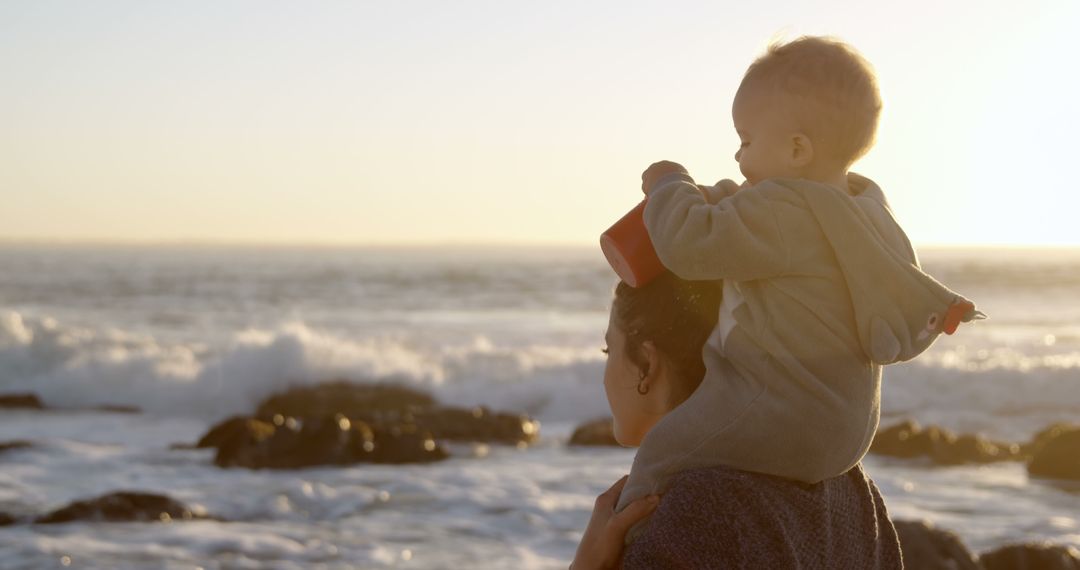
{"x":502,"y":121}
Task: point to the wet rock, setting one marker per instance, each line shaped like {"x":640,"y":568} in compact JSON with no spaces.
{"x":1048,"y":433}
{"x":26,"y":400}
{"x":407,"y":443}
{"x":238,"y":441}
{"x":384,"y":406}
{"x":908,"y":439}
{"x":926,"y":547}
{"x":350,"y":399}
{"x":895,"y":441}
{"x":14,"y":444}
{"x":596,"y":432}
{"x":118,"y":409}
{"x":1058,"y":457}
{"x":478,"y":424}
{"x":231,"y":428}
{"x":974,"y":448}
{"x":291,"y":443}
{"x":1032,"y":557}
{"x":122,"y":506}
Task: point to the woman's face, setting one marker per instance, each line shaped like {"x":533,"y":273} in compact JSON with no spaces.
{"x":634,"y":413}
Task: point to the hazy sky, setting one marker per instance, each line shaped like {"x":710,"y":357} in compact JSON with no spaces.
{"x":500,"y":121}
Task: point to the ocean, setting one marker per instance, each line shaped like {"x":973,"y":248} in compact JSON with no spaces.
{"x":193,"y":334}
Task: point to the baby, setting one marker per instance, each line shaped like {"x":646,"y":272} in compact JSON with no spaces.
{"x":821,"y":285}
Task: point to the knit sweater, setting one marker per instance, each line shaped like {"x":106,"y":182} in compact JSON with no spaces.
{"x":719,"y":517}
{"x":829,"y":291}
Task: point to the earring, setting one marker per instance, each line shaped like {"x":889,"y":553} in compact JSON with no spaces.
{"x":639,"y":386}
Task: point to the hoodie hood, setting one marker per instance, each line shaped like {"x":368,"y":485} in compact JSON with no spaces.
{"x":899,"y":309}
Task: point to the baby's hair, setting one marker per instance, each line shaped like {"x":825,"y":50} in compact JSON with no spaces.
{"x":832,"y":92}
{"x":677,"y":315}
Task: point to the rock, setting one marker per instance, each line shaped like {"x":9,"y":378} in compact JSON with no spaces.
{"x":478,"y":424}
{"x":934,"y":441}
{"x":926,"y":547}
{"x":14,"y":444}
{"x":238,"y":441}
{"x":944,"y":447}
{"x":407,"y":443}
{"x":6,"y":519}
{"x":895,"y":441}
{"x":20,"y":401}
{"x":122,"y":506}
{"x":596,"y":432}
{"x":118,"y":409}
{"x":291,"y":443}
{"x":1058,"y":457}
{"x":1032,"y":557}
{"x":974,"y":448}
{"x":384,"y":406}
{"x":231,"y":428}
{"x":1048,"y":433}
{"x":350,"y":399}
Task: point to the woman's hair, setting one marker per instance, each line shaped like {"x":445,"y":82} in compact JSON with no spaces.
{"x":830,"y":89}
{"x":677,"y":315}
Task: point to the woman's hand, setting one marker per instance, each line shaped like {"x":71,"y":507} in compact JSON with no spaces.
{"x":601,"y":546}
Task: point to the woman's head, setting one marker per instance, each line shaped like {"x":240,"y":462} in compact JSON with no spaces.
{"x":654,"y":339}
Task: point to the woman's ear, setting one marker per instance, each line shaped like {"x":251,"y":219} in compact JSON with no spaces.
{"x":652,"y":358}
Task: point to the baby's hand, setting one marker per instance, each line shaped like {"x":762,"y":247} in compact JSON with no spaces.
{"x":657,"y":170}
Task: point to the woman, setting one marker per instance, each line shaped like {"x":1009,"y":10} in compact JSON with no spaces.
{"x":714,"y":516}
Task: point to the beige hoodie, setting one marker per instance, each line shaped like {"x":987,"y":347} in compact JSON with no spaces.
{"x":829,"y":290}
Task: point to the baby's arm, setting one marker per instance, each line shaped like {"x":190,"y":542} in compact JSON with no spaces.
{"x":722,"y":189}
{"x":738,"y":237}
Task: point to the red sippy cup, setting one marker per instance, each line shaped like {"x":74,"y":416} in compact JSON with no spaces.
{"x":629,"y":251}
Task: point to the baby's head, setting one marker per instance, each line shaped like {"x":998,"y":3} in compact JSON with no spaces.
{"x":805,"y":109}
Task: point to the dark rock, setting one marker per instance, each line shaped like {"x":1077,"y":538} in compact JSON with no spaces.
{"x":383,"y":406}
{"x":1032,"y":557}
{"x":974,"y":448}
{"x":944,"y":447}
{"x":1048,"y":433}
{"x":232,"y":428}
{"x":14,"y":444}
{"x":6,"y":519}
{"x":1058,"y":457}
{"x":238,"y":442}
{"x":118,"y":409}
{"x":350,"y":399}
{"x":596,"y":432}
{"x":291,"y":443}
{"x":20,"y":401}
{"x":122,"y":506}
{"x":477,"y":424}
{"x":926,"y":547}
{"x":933,"y":441}
{"x":895,"y":441}
{"x":406,"y":443}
